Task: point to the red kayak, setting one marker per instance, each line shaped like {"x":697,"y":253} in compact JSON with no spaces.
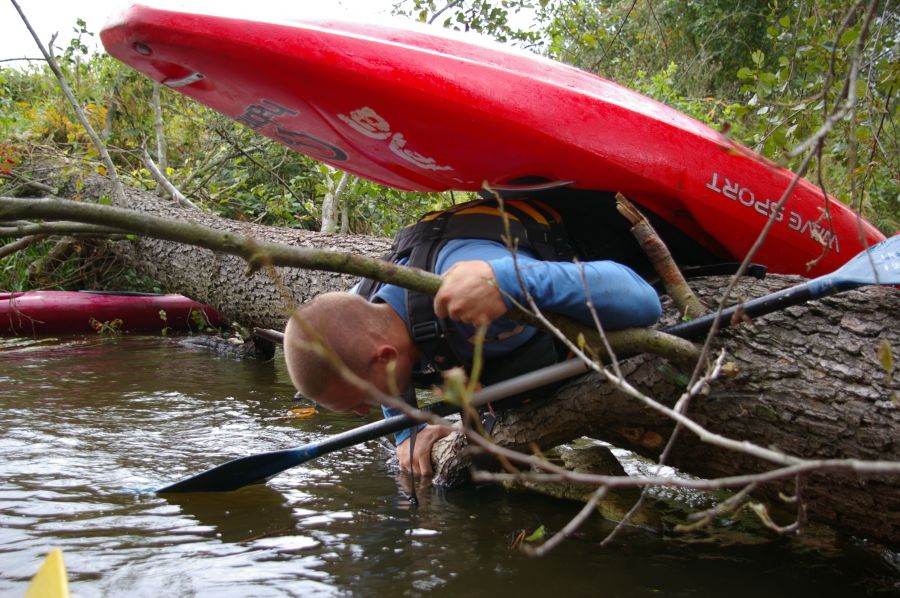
{"x":35,"y":313}
{"x":424,"y":109}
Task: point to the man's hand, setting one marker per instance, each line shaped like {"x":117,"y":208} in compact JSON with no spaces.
{"x":469,"y":294}
{"x":421,"y":459}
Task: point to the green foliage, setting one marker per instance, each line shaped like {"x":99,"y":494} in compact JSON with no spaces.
{"x":496,"y":19}
{"x":801,"y":71}
{"x":537,"y":535}
{"x":108,"y":328}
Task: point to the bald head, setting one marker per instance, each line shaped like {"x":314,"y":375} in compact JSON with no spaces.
{"x":364,"y":336}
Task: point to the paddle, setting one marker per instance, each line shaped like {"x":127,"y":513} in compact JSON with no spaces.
{"x":880,"y":264}
{"x":259,"y":468}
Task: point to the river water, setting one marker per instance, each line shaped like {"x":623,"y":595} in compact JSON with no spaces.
{"x":89,"y":427}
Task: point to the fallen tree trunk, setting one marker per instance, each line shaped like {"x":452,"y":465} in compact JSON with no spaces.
{"x":806,"y":380}
{"x":263,"y":298}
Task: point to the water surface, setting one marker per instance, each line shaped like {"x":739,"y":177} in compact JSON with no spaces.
{"x":90,"y":426}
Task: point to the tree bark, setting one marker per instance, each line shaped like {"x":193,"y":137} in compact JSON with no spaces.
{"x":264,"y":298}
{"x":806,"y":380}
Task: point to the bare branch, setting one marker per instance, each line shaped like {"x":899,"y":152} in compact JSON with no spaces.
{"x":661,"y":259}
{"x":164,"y":182}
{"x":70,"y":95}
{"x":23,"y":229}
{"x":19,"y":245}
{"x":159,"y":127}
{"x":570,"y":527}
{"x":30,"y":184}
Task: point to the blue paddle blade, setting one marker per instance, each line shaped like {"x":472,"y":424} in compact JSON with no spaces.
{"x":880,"y":264}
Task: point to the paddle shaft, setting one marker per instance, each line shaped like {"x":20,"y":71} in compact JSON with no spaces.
{"x":814,"y":289}
{"x":488,"y":394}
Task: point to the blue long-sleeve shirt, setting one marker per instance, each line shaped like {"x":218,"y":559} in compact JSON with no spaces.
{"x":621,"y":298}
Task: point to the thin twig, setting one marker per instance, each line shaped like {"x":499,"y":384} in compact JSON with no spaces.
{"x":447,"y":7}
{"x":726,"y":507}
{"x":164,"y":183}
{"x":560,"y":474}
{"x":67,"y":91}
{"x":570,"y":527}
{"x":23,"y":58}
{"x":11,"y":248}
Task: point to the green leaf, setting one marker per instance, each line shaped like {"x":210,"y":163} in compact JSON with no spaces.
{"x":537,"y":535}
{"x":673,"y":376}
{"x":886,"y":357}
{"x":758,"y":57}
{"x":744,"y":73}
{"x":104,"y":200}
{"x":581,"y":341}
{"x":849,"y":37}
{"x":785,"y":21}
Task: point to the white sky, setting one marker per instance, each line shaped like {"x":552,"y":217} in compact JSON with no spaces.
{"x":52,"y":16}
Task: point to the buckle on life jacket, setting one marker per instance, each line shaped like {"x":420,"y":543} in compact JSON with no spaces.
{"x":426,"y":331}
{"x":538,"y":235}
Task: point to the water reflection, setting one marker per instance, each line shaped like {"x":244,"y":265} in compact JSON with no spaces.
{"x":90,"y":427}
{"x":243,"y":516}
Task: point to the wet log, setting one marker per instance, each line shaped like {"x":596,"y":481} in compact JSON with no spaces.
{"x":806,"y":380}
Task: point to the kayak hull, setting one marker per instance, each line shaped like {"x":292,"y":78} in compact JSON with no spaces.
{"x":423,"y":109}
{"x":38,"y":313}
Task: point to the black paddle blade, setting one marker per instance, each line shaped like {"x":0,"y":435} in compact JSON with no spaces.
{"x":259,"y":468}
{"x":245,"y":471}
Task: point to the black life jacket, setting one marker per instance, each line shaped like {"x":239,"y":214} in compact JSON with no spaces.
{"x":534,"y":226}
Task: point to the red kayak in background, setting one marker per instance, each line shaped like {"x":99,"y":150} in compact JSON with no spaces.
{"x":425,"y":109}
{"x":39,"y":313}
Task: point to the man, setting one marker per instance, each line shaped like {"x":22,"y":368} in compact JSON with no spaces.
{"x":380,"y":337}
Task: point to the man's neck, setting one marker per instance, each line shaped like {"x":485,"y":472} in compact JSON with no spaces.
{"x":398,"y":332}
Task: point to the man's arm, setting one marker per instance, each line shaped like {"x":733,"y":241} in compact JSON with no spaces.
{"x":470,"y":289}
{"x":621,"y":298}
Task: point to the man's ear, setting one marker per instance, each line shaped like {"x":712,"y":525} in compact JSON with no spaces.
{"x":385,"y":353}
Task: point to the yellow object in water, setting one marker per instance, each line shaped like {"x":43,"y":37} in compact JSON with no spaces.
{"x":50,"y":581}
{"x":303,"y":412}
